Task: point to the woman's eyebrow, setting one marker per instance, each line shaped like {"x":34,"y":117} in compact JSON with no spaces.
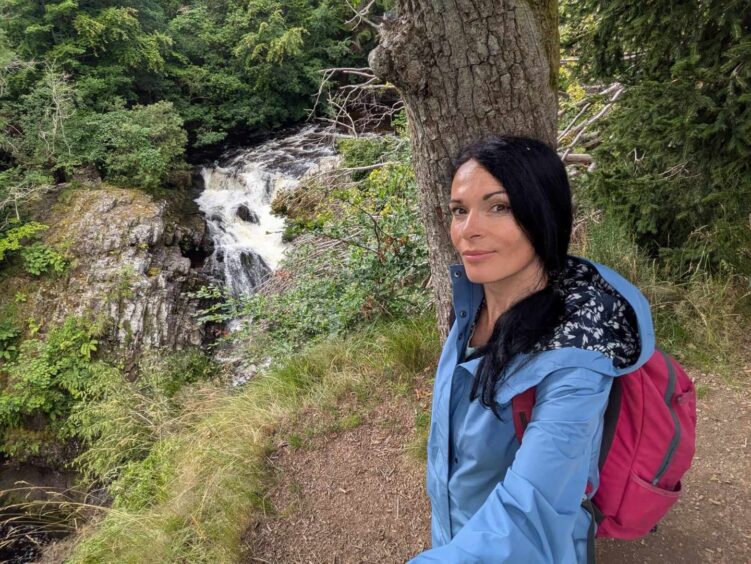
{"x":485,"y":197}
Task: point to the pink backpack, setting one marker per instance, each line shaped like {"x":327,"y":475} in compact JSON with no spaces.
{"x":647,"y":445}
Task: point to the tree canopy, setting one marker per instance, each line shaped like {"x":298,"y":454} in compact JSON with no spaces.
{"x":146,"y":80}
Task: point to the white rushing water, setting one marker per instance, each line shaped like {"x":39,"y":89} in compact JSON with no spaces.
{"x":236,"y":200}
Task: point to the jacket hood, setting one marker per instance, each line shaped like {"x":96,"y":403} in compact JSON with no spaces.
{"x":606,"y":327}
{"x":596,"y":317}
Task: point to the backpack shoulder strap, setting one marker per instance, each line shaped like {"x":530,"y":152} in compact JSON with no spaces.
{"x":521,"y":407}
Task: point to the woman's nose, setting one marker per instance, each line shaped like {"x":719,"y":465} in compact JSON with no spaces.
{"x":472,"y":225}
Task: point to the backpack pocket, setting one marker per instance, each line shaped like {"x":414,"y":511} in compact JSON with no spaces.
{"x":643,"y":505}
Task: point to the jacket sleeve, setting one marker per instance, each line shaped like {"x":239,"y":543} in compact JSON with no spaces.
{"x":530,"y":515}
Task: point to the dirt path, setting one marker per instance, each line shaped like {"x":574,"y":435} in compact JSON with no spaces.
{"x":357,"y":497}
{"x":354,"y":497}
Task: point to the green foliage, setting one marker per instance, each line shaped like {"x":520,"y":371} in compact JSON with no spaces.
{"x":50,"y":375}
{"x":675,"y":161}
{"x":358,"y":152}
{"x":9,"y":334}
{"x":33,"y":128}
{"x":39,"y":259}
{"x":117,"y":32}
{"x":15,"y":238}
{"x":140,"y":146}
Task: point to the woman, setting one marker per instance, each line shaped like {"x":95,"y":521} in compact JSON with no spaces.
{"x":527,"y":315}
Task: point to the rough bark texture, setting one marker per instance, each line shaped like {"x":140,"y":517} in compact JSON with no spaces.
{"x":467,"y":69}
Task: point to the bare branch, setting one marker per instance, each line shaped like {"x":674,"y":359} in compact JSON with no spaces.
{"x":359,"y":107}
{"x":360,"y":15}
{"x":580,"y":129}
{"x":563,"y":133}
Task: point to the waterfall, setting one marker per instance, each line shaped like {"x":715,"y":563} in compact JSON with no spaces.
{"x":236,"y":200}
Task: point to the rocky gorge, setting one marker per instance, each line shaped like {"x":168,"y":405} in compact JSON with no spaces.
{"x":135,"y":261}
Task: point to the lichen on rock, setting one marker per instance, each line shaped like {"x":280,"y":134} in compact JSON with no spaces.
{"x":134,"y":260}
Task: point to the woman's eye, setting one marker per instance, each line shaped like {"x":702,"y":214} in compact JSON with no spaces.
{"x":500,"y":208}
{"x":456,"y":211}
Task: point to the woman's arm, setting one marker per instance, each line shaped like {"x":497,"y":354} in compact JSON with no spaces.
{"x":530,"y":516}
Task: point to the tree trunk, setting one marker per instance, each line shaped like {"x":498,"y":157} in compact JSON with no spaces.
{"x":467,"y":69}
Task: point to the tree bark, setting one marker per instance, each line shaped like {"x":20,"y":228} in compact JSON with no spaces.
{"x":467,"y":69}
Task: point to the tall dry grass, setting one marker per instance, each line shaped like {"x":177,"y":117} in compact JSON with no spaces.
{"x":217,"y":453}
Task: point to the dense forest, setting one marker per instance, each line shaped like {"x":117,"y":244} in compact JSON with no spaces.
{"x":128,"y":88}
{"x":108,"y":111}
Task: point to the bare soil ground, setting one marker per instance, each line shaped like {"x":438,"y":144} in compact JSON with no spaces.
{"x":356,"y":496}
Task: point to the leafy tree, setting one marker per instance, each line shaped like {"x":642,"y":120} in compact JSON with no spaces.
{"x":71,"y":71}
{"x":138,"y":146}
{"x":253,"y":65}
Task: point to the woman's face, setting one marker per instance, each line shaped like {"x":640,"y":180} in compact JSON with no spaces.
{"x":493,"y":247}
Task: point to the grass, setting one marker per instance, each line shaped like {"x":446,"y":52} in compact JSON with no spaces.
{"x":218,"y":453}
{"x":417,"y":448}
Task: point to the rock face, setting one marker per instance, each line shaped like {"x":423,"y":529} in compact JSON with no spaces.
{"x":134,"y":260}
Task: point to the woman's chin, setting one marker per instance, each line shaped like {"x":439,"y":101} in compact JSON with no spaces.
{"x":477,"y":275}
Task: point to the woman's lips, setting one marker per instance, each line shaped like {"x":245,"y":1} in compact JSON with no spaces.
{"x":476,"y":256}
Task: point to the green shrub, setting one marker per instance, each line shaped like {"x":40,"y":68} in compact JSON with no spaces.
{"x":16,"y":238}
{"x":49,"y":376}
{"x":362,"y":152}
{"x":9,"y":334}
{"x":39,"y":259}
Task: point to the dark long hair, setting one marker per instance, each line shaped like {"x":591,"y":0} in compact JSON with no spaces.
{"x":538,"y":190}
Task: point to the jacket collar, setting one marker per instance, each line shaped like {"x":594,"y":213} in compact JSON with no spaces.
{"x":468,"y":295}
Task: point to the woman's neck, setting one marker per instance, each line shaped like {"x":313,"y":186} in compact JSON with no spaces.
{"x":500,"y":296}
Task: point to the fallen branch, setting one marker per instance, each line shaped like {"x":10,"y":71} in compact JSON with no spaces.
{"x":565,"y":132}
{"x":582,"y":128}
{"x":577,"y":158}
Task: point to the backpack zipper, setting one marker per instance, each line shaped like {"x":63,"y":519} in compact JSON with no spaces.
{"x":676,"y":424}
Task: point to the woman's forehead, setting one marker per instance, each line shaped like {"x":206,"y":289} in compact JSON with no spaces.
{"x":473,"y":180}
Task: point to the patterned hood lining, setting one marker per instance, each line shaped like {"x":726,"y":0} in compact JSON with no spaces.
{"x":596,"y":317}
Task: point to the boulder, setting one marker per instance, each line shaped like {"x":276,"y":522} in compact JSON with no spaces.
{"x":244,"y":213}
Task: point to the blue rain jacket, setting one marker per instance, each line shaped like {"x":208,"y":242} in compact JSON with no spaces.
{"x":493,"y":500}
